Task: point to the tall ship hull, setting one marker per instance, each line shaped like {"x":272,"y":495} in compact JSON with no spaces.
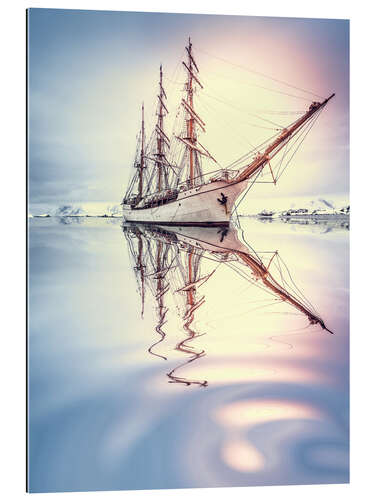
{"x":176,"y":181}
{"x":200,"y":206}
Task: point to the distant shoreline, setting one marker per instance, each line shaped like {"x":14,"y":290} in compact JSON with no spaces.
{"x":255,"y":216}
{"x":301,"y":216}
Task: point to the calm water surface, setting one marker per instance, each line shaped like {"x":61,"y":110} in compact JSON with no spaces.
{"x":191,"y":358}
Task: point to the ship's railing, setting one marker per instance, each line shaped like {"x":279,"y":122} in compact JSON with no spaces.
{"x":226,"y":175}
{"x":160,"y":197}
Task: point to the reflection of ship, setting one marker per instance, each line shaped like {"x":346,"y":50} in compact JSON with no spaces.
{"x":169,"y":260}
{"x":172,"y":186}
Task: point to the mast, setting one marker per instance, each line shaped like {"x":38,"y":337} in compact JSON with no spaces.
{"x":139,"y":256}
{"x":191,"y":127}
{"x":191,"y":278}
{"x":192,"y":118}
{"x":161,"y":290}
{"x":162,"y":138}
{"x":142,"y":164}
{"x":261,"y":160}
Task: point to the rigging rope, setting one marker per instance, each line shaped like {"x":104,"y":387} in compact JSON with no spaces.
{"x":261,"y":87}
{"x":246,"y":155}
{"x":311,"y":124}
{"x":294,"y":289}
{"x":261,"y":74}
{"x":307,"y":302}
{"x":219,"y":117}
{"x":251,"y":114}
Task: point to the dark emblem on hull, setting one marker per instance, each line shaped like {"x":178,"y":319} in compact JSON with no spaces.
{"x":223,"y":200}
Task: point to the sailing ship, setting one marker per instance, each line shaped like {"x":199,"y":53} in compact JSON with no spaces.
{"x":171,"y":188}
{"x":167,"y":261}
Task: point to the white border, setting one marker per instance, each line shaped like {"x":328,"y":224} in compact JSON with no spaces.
{"x":12,"y":428}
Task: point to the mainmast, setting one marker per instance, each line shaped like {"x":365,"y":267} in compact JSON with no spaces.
{"x":262,"y":159}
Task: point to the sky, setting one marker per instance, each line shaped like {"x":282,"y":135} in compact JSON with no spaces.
{"x":90,"y":71}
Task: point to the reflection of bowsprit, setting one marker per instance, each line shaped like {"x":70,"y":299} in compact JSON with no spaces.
{"x":168,"y":264}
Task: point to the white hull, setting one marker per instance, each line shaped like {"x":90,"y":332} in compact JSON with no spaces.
{"x":196,"y":206}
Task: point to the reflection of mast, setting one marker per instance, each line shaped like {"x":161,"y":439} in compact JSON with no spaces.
{"x":138,"y":257}
{"x":141,"y":269}
{"x":192,"y":304}
{"x":161,"y":290}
